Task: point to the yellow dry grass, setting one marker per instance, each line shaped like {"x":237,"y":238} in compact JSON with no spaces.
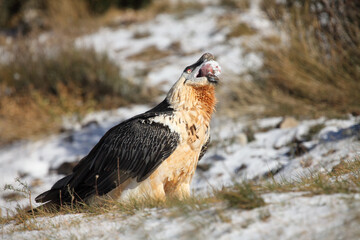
{"x":38,"y":89}
{"x":314,"y":71}
{"x":343,"y":178}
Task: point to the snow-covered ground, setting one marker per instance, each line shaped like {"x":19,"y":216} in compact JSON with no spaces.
{"x":284,"y":152}
{"x":35,"y":163}
{"x":286,"y":216}
{"x":195,"y":33}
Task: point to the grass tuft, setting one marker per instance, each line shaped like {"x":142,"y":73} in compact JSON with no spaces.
{"x":344,"y":178}
{"x":241,"y":29}
{"x":236,"y":4}
{"x":313,"y":131}
{"x":315,"y":70}
{"x":242,"y":195}
{"x":27,"y":16}
{"x":150,"y":53}
{"x":318,"y":70}
{"x":36,"y":90}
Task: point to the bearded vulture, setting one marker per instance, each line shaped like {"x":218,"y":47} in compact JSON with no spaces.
{"x":153,"y":154}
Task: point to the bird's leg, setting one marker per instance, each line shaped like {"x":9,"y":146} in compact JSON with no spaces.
{"x":182,"y":191}
{"x":157,"y":190}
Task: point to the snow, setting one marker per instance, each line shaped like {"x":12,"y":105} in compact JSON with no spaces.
{"x":285,"y":216}
{"x":34,"y":160}
{"x":268,"y":122}
{"x":163,"y":33}
{"x":271,"y":151}
{"x":195,"y":33}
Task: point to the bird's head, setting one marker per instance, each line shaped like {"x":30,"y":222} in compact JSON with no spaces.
{"x":196,"y":86}
{"x":203,"y":72}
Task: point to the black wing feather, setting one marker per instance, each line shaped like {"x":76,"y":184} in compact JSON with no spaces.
{"x":134,"y":148}
{"x":204,"y":149}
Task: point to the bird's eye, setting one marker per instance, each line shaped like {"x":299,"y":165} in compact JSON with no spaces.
{"x":188,"y":70}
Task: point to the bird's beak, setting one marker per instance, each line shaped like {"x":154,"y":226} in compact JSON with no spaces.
{"x":197,"y":74}
{"x":203,"y":59}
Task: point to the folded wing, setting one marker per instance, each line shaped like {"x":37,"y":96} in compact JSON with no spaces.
{"x":132,"y":149}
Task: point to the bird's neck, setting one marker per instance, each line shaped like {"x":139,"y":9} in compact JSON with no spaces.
{"x":191,"y":98}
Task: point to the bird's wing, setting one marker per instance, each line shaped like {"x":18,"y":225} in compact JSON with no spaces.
{"x":204,"y":148}
{"x":132,"y":149}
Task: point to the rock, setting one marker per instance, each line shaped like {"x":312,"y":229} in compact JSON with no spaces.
{"x":65,"y":168}
{"x":69,"y":138}
{"x":216,"y":157}
{"x":240,"y":168}
{"x":204,"y":167}
{"x":90,"y":123}
{"x":288,"y":122}
{"x":274,"y":171}
{"x":297,"y":149}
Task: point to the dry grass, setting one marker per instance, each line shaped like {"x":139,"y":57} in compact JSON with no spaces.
{"x":241,"y":195}
{"x":29,"y":17}
{"x":174,"y":7}
{"x":150,"y":53}
{"x":241,"y":29}
{"x":313,"y":131}
{"x":129,"y":207}
{"x":316,"y":70}
{"x":24,"y":17}
{"x":343,"y":178}
{"x":241,"y":97}
{"x":119,"y":17}
{"x":236,"y":4}
{"x":37,"y":89}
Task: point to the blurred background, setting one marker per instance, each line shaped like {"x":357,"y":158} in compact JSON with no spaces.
{"x":69,"y":58}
